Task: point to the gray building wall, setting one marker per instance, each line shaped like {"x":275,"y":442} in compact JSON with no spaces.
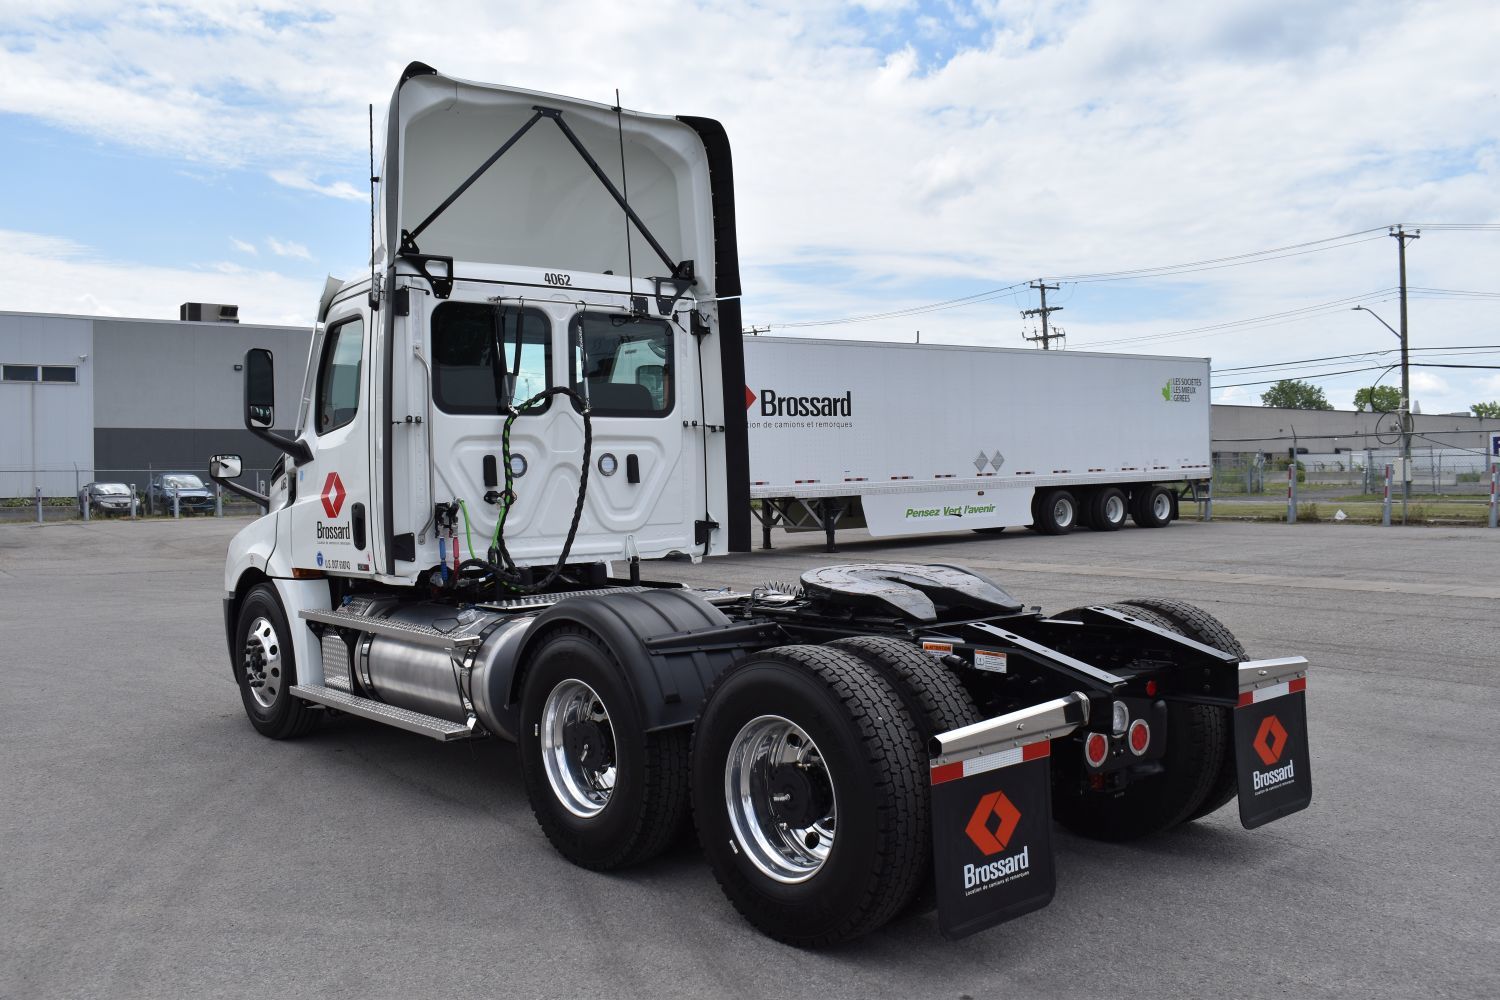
{"x":1271,"y":429}
{"x":152,"y":395}
{"x":46,"y":428}
{"x":168,"y":396}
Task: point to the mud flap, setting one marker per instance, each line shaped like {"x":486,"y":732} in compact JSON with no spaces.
{"x":1271,"y":752}
{"x":992,"y":838}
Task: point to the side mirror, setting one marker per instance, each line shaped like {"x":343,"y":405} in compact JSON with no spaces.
{"x":224,"y":467}
{"x":260,"y":389}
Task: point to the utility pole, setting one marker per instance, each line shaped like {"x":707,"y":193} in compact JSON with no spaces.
{"x":1401,"y":236}
{"x":1047,"y":336}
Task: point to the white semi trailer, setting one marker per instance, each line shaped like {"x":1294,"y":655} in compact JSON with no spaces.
{"x":912,"y":438}
{"x":516,"y":399}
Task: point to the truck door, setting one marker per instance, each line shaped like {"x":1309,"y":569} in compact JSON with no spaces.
{"x":331,"y":517}
{"x":640,"y":377}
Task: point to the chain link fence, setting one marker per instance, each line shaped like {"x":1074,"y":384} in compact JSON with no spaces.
{"x":58,"y":494}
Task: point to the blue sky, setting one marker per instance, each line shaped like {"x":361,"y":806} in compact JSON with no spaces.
{"x":888,"y":154}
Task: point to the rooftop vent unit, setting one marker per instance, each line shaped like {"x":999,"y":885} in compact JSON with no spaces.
{"x":208,"y":312}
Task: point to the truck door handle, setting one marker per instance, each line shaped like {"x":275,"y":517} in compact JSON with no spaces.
{"x":632,"y":469}
{"x":357,"y":520}
{"x":491,"y":479}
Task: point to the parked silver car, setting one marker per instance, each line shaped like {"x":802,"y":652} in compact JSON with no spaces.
{"x":105,"y":498}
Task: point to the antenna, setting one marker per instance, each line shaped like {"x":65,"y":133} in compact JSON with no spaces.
{"x":625,"y":201}
{"x":374,"y":294}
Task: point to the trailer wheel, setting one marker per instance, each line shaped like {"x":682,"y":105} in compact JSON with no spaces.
{"x":266,"y":668}
{"x":1200,"y":750}
{"x":1054,"y":512}
{"x":1195,"y":623}
{"x":809,"y":794}
{"x":1107,"y":509}
{"x":1151,"y":507}
{"x":606,"y":793}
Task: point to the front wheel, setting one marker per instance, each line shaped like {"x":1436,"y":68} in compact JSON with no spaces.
{"x":266,"y":668}
{"x":809,"y":794}
{"x":606,"y":793}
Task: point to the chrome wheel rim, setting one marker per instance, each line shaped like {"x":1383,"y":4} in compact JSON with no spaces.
{"x":782,"y":804}
{"x":1114,"y":509}
{"x":1161,"y":506}
{"x":1062,"y":512}
{"x":262,"y":661}
{"x":578,"y":748}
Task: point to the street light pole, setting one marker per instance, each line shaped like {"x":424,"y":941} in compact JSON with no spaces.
{"x":1405,"y":408}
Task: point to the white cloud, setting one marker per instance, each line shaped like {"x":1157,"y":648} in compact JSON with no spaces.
{"x":46,"y":274}
{"x":287,"y":249}
{"x":301,"y":182}
{"x":244,"y":247}
{"x":1061,"y":137}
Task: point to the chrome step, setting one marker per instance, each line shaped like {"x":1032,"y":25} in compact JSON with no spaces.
{"x":379,"y":711}
{"x":417,"y":635}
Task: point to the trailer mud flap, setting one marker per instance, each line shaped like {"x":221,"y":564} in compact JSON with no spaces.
{"x":992,"y":838}
{"x":1271,"y":752}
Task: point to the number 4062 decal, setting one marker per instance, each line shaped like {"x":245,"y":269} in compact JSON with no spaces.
{"x":557,"y":278}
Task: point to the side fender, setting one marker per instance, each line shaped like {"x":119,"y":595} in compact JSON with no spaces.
{"x":668,"y":683}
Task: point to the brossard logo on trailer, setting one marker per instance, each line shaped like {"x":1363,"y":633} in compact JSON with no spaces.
{"x":774,"y":404}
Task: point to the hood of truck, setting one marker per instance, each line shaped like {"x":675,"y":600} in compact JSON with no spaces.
{"x":541,"y":204}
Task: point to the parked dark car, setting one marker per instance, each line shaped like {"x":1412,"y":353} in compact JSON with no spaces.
{"x":192,"y":496}
{"x":105,"y":498}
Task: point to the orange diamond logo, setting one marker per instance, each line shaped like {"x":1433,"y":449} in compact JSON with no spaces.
{"x":1270,"y":740}
{"x":994,"y":806}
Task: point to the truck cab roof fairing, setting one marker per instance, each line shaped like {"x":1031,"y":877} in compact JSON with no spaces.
{"x":541,"y":204}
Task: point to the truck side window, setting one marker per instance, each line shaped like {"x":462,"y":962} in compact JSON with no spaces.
{"x":338,"y":376}
{"x":626,"y":364}
{"x":486,"y":358}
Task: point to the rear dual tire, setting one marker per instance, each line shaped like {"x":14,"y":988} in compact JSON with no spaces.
{"x":1198,"y":766}
{"x":809,"y":793}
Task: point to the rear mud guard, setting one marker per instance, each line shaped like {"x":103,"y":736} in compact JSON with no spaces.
{"x":992,"y":815}
{"x":1270,"y":740}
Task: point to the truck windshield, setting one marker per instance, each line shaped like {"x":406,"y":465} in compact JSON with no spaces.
{"x":626,"y":364}
{"x":486,"y":358}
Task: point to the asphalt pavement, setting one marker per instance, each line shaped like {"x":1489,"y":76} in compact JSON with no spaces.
{"x":152,"y":844}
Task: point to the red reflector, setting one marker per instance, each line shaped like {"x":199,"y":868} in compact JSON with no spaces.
{"x":1140,"y":737}
{"x":947,"y":772}
{"x":1297,"y":684}
{"x":1150,"y":689}
{"x":1095,"y":749}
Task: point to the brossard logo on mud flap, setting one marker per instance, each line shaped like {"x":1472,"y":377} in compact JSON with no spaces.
{"x":1269,"y":744}
{"x":994,"y":807}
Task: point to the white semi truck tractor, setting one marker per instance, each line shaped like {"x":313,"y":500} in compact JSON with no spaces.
{"x":538,"y":388}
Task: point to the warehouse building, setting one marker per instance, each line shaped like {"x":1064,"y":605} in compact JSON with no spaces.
{"x":87,"y":398}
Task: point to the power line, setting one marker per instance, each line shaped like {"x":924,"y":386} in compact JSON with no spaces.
{"x":1239,"y":260}
{"x":1164,"y":270}
{"x":1352,"y":371}
{"x":1359,"y":354}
